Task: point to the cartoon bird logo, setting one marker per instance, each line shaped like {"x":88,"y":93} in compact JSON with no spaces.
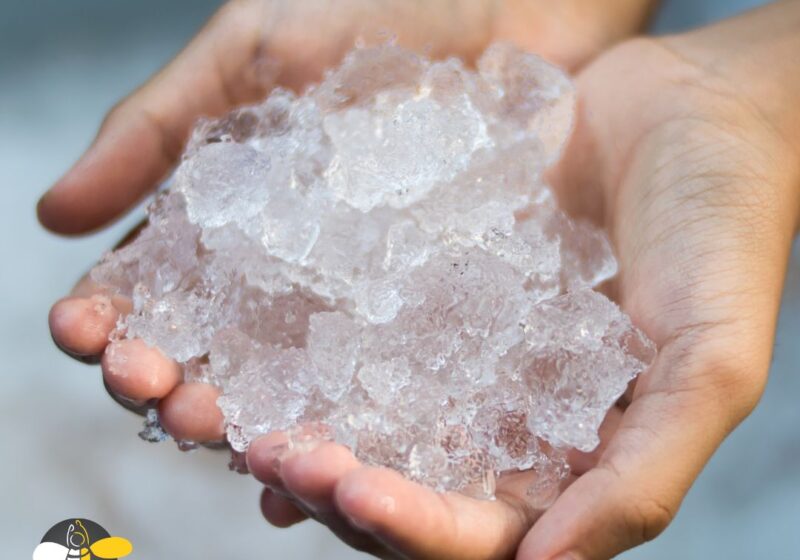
{"x":81,"y":539}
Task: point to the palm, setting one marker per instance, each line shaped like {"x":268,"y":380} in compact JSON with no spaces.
{"x":422,"y":524}
{"x":639,"y":162}
{"x":665,"y":155}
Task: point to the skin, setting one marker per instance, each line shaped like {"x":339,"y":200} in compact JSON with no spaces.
{"x":686,"y":148}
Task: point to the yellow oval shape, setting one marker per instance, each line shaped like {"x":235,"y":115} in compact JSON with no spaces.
{"x":112,"y":547}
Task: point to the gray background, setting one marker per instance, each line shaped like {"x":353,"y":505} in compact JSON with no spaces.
{"x":69,"y":451}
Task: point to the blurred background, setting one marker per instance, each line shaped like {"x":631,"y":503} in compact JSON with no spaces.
{"x":68,"y":450}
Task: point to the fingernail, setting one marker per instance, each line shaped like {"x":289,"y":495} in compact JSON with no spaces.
{"x":361,"y":525}
{"x":90,"y":359}
{"x":137,"y":407}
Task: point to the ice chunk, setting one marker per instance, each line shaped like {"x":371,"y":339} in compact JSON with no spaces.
{"x":395,"y":152}
{"x":380,"y":260}
{"x":224,"y":183}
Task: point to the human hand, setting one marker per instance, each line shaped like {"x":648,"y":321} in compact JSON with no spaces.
{"x":712,"y":310}
{"x":711,"y":270}
{"x":687,"y":148}
{"x":248,"y":47}
{"x":692,"y":144}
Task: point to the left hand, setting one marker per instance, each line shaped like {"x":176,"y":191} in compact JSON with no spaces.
{"x":689,"y":150}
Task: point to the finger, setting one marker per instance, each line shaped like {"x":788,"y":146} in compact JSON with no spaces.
{"x":190,"y":412}
{"x":142,"y":137}
{"x":663,"y":441}
{"x":138,"y":407}
{"x":581,"y":462}
{"x":279,"y":511}
{"x":308,"y":479}
{"x":263,"y":459}
{"x":312,"y":476}
{"x":137,"y":371}
{"x":80,"y":325}
{"x":417,"y":522}
{"x":86,"y":287}
{"x":627,"y":397}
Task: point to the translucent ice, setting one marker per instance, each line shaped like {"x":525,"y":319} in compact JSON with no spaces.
{"x":380,"y":261}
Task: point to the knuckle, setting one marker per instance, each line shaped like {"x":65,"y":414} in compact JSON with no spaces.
{"x":646,"y":518}
{"x":115,"y":113}
{"x":742,"y":386}
{"x":738,"y":382}
{"x":727,"y":368}
{"x":732,"y":392}
{"x":244,"y":25}
{"x":238,"y":11}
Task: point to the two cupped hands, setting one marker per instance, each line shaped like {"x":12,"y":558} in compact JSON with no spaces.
{"x":687,"y":148}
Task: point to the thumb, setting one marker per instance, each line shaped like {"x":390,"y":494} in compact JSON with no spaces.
{"x":142,"y":137}
{"x":682,"y":410}
{"x":248,"y":46}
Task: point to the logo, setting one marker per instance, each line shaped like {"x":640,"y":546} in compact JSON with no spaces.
{"x":81,"y":539}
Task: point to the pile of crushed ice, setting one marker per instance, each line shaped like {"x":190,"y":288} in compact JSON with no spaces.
{"x":381,"y":256}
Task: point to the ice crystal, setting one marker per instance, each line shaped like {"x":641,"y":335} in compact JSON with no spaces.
{"x":380,"y":256}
